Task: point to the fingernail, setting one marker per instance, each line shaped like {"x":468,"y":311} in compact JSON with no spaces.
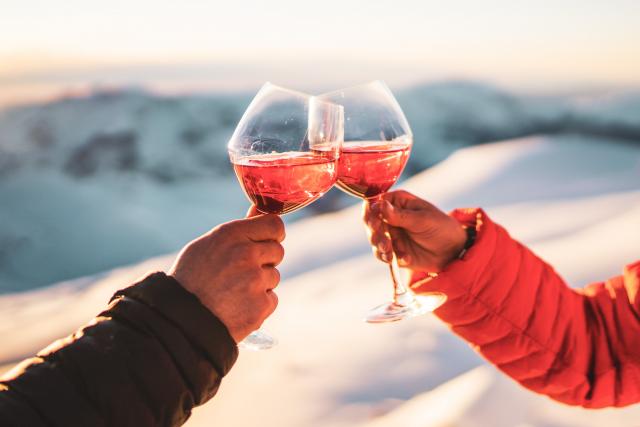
{"x":404,"y":260}
{"x":384,"y":247}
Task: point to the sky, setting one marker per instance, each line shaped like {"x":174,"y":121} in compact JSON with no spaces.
{"x":50,"y":47}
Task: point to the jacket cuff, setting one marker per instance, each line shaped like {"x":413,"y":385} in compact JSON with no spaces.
{"x":459,"y":279}
{"x":201,"y":327}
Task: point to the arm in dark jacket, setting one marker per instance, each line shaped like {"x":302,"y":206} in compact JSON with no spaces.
{"x":154,"y":354}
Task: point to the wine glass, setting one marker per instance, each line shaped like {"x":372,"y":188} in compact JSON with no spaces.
{"x":377,"y":144}
{"x":285,"y":153}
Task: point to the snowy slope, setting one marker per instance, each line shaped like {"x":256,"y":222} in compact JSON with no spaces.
{"x":483,"y":397}
{"x":564,"y":196}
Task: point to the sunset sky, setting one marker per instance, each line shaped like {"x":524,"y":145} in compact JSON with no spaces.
{"x":48,"y":47}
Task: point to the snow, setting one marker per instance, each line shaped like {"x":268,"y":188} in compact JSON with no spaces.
{"x":485,"y":397}
{"x":54,"y":227}
{"x":574,"y":200}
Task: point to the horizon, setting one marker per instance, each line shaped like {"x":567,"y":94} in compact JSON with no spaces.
{"x":568,"y":46}
{"x":39,"y":95}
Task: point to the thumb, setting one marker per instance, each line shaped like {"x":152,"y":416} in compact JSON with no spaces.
{"x":399,"y":217}
{"x":253,"y":211}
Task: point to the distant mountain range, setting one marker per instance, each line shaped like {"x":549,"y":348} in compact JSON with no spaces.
{"x":174,"y":138}
{"x":90,"y":183}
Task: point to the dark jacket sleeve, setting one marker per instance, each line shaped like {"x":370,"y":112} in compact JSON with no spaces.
{"x":577,"y":346}
{"x":154,"y":354}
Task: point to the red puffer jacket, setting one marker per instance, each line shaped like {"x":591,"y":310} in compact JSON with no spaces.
{"x":577,"y":346}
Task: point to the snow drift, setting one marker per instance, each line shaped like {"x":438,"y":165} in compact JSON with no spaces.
{"x":574,"y":200}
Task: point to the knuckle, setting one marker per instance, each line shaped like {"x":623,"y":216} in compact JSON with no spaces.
{"x":245,"y":251}
{"x":370,"y":233}
{"x":278,"y":227}
{"x":375,"y":238}
{"x":251,"y":251}
{"x":275,"y":277}
{"x":225,"y":231}
{"x":274,"y":224}
{"x":279,"y":252}
{"x":270,"y":277}
{"x":191,"y":246}
{"x":381,"y":255}
{"x":237,"y":251}
{"x":272,"y":302}
{"x":225,"y":228}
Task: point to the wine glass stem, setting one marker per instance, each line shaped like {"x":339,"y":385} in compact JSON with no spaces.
{"x":401,"y":294}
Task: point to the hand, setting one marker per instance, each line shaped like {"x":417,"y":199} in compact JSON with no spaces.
{"x":232,"y":271}
{"x":424,"y":237}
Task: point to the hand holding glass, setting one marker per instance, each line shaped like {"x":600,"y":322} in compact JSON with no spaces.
{"x":377,"y":144}
{"x":285,"y":153}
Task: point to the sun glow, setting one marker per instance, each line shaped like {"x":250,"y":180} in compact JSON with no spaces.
{"x":240,"y":44}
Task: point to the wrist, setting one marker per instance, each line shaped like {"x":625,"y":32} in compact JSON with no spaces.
{"x":470,"y":238}
{"x":459,"y":241}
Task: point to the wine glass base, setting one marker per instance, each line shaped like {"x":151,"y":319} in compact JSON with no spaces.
{"x":392,"y":312}
{"x":258,"y":340}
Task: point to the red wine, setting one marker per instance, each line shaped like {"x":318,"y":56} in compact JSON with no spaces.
{"x":369,"y":168}
{"x":284,"y":182}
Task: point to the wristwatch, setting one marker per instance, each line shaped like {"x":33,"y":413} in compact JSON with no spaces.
{"x":471,"y":238}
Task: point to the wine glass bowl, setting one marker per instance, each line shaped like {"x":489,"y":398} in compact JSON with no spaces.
{"x":377,"y":145}
{"x":368,"y":169}
{"x":285,"y":149}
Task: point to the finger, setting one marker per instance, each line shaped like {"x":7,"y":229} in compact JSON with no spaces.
{"x":382,"y":255}
{"x":253,"y":211}
{"x":270,"y":252}
{"x":398,"y":241}
{"x":374,"y":227}
{"x":381,"y":240}
{"x":366,"y":211}
{"x":403,"y":218}
{"x":402,"y":252}
{"x":405,"y":199}
{"x":372,"y":218}
{"x":272,"y":303}
{"x":370,"y":210}
{"x":399,"y":245}
{"x":271,"y":278}
{"x":405,"y":260}
{"x":264,"y":227}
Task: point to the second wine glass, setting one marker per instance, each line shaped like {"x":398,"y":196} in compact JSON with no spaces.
{"x":377,"y":144}
{"x":285,"y":153}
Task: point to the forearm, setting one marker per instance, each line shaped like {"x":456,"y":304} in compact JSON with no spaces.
{"x":152,"y":356}
{"x":519,"y":314}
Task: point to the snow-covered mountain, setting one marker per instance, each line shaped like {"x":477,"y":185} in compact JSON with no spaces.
{"x":90,"y":183}
{"x":180,"y":137}
{"x":574,"y":200}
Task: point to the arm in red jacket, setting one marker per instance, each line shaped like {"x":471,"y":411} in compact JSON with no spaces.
{"x":577,"y":346}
